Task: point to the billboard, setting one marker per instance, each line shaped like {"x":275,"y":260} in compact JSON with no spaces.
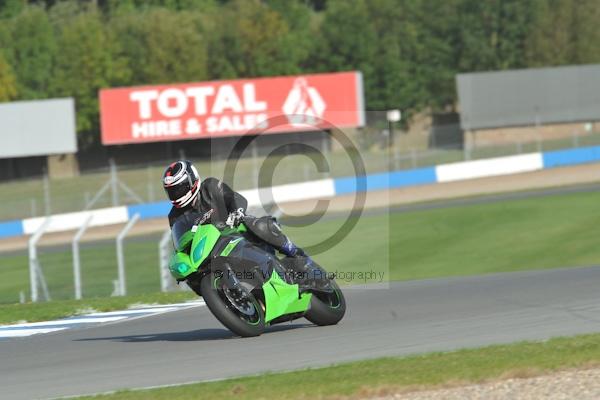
{"x":524,"y":97}
{"x":37,"y":128}
{"x":230,"y":108}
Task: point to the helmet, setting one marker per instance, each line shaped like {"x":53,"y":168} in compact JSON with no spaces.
{"x":182,"y":183}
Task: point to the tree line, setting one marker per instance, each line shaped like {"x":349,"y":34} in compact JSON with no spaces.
{"x":409,"y":51}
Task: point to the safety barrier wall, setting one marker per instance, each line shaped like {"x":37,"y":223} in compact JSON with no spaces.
{"x":326,"y":188}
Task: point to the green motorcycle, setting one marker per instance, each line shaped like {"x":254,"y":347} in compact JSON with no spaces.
{"x":244,"y":284}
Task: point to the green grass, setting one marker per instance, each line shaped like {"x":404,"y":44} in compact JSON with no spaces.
{"x":389,"y":375}
{"x":10,"y":313}
{"x":536,"y":233}
{"x":98,"y":269}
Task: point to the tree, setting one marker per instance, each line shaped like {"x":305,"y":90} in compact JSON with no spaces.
{"x":248,"y":39}
{"x":162,"y":46}
{"x":8,"y":81}
{"x":10,"y":8}
{"x":565,"y":32}
{"x":349,"y":42}
{"x":33,"y":52}
{"x":490,"y":35}
{"x":90,"y":60}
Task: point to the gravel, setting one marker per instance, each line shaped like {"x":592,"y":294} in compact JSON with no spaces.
{"x":579,"y":385}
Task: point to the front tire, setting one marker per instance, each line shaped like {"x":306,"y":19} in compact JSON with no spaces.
{"x":327,"y":308}
{"x":242,"y":318}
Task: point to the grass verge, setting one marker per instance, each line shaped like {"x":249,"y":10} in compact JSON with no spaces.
{"x":372,"y":378}
{"x":31,"y":312}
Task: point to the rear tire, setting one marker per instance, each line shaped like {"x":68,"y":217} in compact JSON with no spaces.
{"x":213,"y":292}
{"x":327,"y":308}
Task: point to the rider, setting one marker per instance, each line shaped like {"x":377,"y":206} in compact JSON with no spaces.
{"x":218,"y":204}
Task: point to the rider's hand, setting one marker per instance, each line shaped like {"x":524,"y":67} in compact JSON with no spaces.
{"x":235,"y":218}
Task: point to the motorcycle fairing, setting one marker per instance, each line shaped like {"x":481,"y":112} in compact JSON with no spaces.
{"x":283,"y":298}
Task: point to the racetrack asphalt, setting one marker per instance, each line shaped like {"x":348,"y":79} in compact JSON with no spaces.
{"x":382,"y":320}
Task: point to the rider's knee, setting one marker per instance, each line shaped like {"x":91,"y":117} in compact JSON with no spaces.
{"x":267,"y":229}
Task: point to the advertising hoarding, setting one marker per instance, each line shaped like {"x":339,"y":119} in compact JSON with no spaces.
{"x":37,"y":128}
{"x":230,"y":108}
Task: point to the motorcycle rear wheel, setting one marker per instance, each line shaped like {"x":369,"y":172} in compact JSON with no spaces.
{"x":245,"y":318}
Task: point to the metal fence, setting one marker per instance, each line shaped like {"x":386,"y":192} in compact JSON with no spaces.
{"x":108,"y":262}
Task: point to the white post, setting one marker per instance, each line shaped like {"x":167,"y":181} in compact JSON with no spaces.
{"x":114,"y":182}
{"x":33,"y":259}
{"x":163,"y":251}
{"x":121,"y":256}
{"x":46,"y":186}
{"x":76,"y":259}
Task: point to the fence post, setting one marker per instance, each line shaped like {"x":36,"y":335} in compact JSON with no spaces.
{"x":121,"y":256}
{"x":46,"y":186}
{"x":165,"y":275}
{"x":34,"y":267}
{"x":76,"y":259}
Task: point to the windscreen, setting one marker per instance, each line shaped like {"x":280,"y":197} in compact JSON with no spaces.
{"x":182,"y":225}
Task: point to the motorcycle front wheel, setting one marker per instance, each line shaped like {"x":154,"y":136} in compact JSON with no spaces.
{"x":239,"y":312}
{"x":327,"y":308}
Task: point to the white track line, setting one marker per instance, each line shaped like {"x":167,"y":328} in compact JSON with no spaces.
{"x":70,"y":321}
{"x":194,"y":303}
{"x":96,"y":318}
{"x":27,"y":332}
{"x":133,"y":312}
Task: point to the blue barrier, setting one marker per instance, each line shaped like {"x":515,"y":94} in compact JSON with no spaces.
{"x":11,"y":228}
{"x":562,"y":158}
{"x":151,"y":210}
{"x":386,"y":180}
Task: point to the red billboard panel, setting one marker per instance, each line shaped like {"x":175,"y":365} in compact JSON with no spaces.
{"x":231,"y":108}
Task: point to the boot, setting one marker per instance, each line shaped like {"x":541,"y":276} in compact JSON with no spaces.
{"x":312,"y":276}
{"x":289,"y":249}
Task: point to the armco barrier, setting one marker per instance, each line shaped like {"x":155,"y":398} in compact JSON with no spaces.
{"x":561,"y":158}
{"x":11,"y":228}
{"x":327,"y":188}
{"x":149,"y":210}
{"x":489,"y":167}
{"x":386,"y":180}
{"x":70,"y":221}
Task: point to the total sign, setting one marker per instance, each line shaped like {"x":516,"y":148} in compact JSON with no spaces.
{"x":231,"y":108}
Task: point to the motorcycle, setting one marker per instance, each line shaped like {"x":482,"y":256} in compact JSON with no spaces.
{"x":244,"y":284}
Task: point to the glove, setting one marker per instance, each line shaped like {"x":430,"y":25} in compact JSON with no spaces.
{"x":235,"y":218}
